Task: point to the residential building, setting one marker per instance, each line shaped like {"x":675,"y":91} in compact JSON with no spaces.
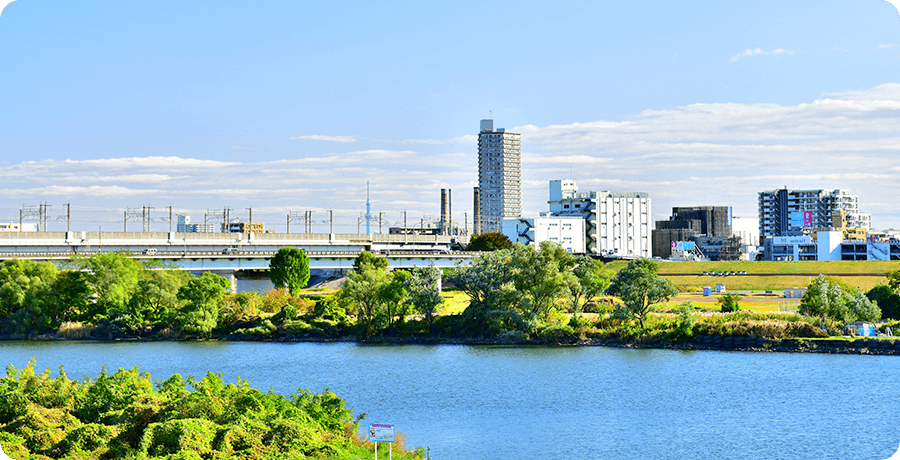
{"x":185,"y":226}
{"x":566,"y":231}
{"x":617,"y":224}
{"x":499,"y":177}
{"x":785,"y":212}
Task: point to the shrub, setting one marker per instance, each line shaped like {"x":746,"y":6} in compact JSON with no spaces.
{"x":174,"y":436}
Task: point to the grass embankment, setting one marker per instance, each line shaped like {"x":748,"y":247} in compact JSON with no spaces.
{"x":773,"y":276}
{"x":122,"y":416}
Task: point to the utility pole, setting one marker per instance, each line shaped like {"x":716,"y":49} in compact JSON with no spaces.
{"x":170,"y":218}
{"x":405,"y":230}
{"x":251,"y":220}
{"x":380,"y":221}
{"x":331,"y":221}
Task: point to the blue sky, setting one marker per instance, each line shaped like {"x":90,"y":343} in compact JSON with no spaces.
{"x":288,"y":106}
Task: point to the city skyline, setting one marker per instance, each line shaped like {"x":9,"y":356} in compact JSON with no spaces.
{"x":282,"y":107}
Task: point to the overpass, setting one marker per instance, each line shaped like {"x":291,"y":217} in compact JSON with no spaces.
{"x":229,"y":254}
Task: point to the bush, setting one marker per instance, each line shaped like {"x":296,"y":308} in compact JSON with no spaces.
{"x":172,"y":437}
{"x":729,"y":302}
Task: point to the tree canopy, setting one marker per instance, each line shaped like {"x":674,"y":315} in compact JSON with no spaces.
{"x":289,"y":269}
{"x":638,"y":286}
{"x":490,"y":241}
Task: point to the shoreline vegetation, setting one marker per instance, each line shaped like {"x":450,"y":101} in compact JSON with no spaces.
{"x":511,"y":296}
{"x":128,"y":416}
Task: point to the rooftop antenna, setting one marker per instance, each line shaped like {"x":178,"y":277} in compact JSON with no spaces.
{"x":368,"y":211}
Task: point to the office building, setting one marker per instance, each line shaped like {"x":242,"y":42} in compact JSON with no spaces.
{"x":499,"y":177}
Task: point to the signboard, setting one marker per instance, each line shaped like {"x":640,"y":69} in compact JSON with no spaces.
{"x":381,"y":433}
{"x":683,"y":246}
{"x":801,"y":219}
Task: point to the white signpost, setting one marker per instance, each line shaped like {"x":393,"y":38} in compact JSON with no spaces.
{"x":381,"y":433}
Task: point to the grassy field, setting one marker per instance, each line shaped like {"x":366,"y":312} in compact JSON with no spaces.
{"x":755,"y":303}
{"x":878,"y":267}
{"x":763,"y":283}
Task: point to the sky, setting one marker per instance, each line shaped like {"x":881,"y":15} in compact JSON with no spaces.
{"x":284,"y":106}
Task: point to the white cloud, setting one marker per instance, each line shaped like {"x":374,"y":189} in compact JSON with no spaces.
{"x":896,"y":4}
{"x":759,"y":52}
{"x":3,"y":4}
{"x":886,"y":46}
{"x":318,"y":137}
{"x":712,"y":154}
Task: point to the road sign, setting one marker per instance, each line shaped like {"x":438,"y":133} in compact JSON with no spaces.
{"x":381,"y":433}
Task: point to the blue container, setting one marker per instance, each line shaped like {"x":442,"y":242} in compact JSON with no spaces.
{"x":707,"y":291}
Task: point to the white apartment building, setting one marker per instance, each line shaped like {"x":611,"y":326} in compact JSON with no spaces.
{"x":616,"y":223}
{"x":499,"y":177}
{"x":566,"y":231}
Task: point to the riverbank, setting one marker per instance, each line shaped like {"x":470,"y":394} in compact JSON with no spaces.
{"x":834,"y":345}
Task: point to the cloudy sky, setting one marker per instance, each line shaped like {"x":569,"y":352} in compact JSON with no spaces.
{"x":284,"y":106}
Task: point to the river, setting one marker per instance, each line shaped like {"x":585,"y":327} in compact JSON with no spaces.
{"x":522,"y":403}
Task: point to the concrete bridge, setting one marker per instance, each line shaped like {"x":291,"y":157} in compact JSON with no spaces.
{"x":235,"y":254}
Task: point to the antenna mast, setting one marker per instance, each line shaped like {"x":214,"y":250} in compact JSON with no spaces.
{"x":368,"y":211}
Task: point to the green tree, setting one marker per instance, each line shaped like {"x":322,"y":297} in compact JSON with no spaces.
{"x":490,"y":241}
{"x":861,"y":308}
{"x":590,"y":279}
{"x":424,"y":286}
{"x":489,"y":283}
{"x":364,"y":287}
{"x":72,"y":295}
{"x":156,"y":298}
{"x":289,"y":269}
{"x":113,"y":278}
{"x":541,"y":277}
{"x":393,"y":296}
{"x":728,"y":302}
{"x":200,"y":298}
{"x":25,"y":303}
{"x":887,"y":299}
{"x":824,"y":299}
{"x":893,"y":278}
{"x":367,"y":258}
{"x":638,"y":286}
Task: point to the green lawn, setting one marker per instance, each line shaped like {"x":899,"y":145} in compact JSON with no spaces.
{"x":839,"y":266}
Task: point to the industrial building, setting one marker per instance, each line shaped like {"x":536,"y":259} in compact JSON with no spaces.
{"x":708,"y":227}
{"x":566,"y":231}
{"x":185,"y":226}
{"x":617,"y":224}
{"x":499,"y":193}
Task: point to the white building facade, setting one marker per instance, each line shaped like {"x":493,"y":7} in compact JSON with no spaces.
{"x":566,"y":231}
{"x":499,"y":176}
{"x":617,"y":224}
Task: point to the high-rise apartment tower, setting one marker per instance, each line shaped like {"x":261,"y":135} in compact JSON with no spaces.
{"x":499,"y":176}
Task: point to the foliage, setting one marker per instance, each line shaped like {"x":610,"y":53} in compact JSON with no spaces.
{"x":113,"y":279}
{"x":540,"y":277}
{"x":367,"y":258}
{"x":728,"y":302}
{"x":829,"y":300}
{"x":686,"y":317}
{"x":490,"y":241}
{"x":424,"y":288}
{"x":638,"y":286}
{"x":289,"y":269}
{"x":201,"y":297}
{"x":25,"y":288}
{"x":123,"y":416}
{"x":590,"y":280}
{"x":490,"y":286}
{"x":887,"y":299}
